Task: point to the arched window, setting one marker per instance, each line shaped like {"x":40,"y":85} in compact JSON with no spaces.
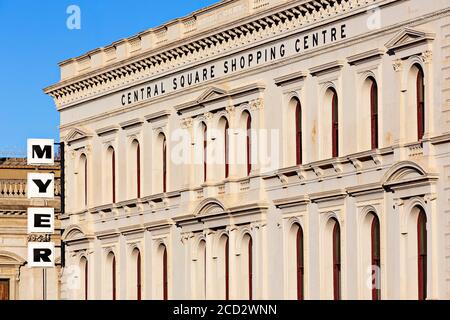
{"x":201,"y":270}
{"x":227,"y":269}
{"x":205,"y":151}
{"x":227,"y":149}
{"x":138,"y":170}
{"x":85,"y":277}
{"x":336,"y":261}
{"x":422,"y":254}
{"x":164,"y":163}
{"x":249,"y":143}
{"x":164,"y":272}
{"x":83,"y":181}
{"x":420,"y":91}
{"x":114,"y":277}
{"x":134,"y":187}
{"x":374,"y":113}
{"x":300,"y":263}
{"x":334,"y":124}
{"x":111,"y":174}
{"x":375,"y":257}
{"x":138,"y":276}
{"x":110,"y":277}
{"x":250,"y":267}
{"x":298,"y":132}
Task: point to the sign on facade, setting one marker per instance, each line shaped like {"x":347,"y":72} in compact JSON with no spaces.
{"x":41,"y":221}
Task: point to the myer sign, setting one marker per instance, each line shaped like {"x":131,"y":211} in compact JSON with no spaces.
{"x":41,"y":220}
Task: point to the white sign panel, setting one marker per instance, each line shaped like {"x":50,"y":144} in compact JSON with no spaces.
{"x":40,"y":151}
{"x":41,"y":220}
{"x":41,"y":254}
{"x":40,"y":185}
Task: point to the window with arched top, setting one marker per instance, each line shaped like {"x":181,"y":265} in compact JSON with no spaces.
{"x":334,"y":123}
{"x":298,"y":132}
{"x":420,"y":96}
{"x":164,"y":163}
{"x":111,"y":173}
{"x":299,"y":254}
{"x":201,"y":270}
{"x":248,"y":146}
{"x":373,"y":113}
{"x":164,"y":272}
{"x":84,"y":266}
{"x":114,"y":278}
{"x":226,"y":149}
{"x":336,"y":245}
{"x":83,"y":181}
{"x":135,"y":170}
{"x":246,"y":267}
{"x":250,"y":269}
{"x":110,"y":277}
{"x":375,"y":257}
{"x":422,"y":254}
{"x":138,"y":275}
{"x":205,"y":151}
{"x":138,"y":170}
{"x":227,"y":269}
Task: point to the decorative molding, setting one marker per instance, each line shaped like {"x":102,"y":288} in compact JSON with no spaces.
{"x":187,"y":123}
{"x":397,"y":65}
{"x":327,"y":67}
{"x":131,"y":123}
{"x":290,"y":78}
{"x":162,"y":58}
{"x":291,"y":202}
{"x":328,"y":195}
{"x":76,"y":134}
{"x":153,"y":117}
{"x":427,"y":56}
{"x":366,"y":56}
{"x":408,"y":37}
{"x":214,"y":94}
{"x":107,"y":130}
{"x":256,"y":104}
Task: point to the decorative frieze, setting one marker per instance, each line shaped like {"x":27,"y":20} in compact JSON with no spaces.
{"x":262,"y":28}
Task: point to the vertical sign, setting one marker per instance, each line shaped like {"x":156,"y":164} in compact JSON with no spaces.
{"x":40,"y":220}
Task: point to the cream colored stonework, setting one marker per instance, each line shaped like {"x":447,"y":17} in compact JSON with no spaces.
{"x":383,"y":39}
{"x":25,"y":283}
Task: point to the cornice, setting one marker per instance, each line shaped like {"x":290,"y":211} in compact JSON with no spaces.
{"x":327,"y":67}
{"x":289,"y":16}
{"x":106,"y":130}
{"x":157,"y":115}
{"x":365,"y":56}
{"x":290,"y":78}
{"x":291,"y":202}
{"x":131,"y":123}
{"x":214,"y":94}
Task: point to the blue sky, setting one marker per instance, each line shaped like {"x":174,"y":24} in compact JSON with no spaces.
{"x":34,"y":38}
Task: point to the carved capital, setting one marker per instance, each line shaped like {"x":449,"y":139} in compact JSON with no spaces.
{"x":230,"y":109}
{"x":186,"y":123}
{"x":256,"y":104}
{"x":427,"y":56}
{"x":208,"y":115}
{"x":397,"y":65}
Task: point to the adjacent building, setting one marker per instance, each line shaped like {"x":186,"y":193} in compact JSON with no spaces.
{"x":262,"y":149}
{"x":17,"y":280}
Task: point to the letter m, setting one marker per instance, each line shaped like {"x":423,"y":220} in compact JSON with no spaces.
{"x":39,"y":152}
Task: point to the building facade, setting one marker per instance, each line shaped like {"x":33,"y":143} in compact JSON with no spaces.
{"x":262,"y":149}
{"x":17,"y":280}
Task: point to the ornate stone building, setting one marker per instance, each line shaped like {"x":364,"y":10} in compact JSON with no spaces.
{"x":17,"y":280}
{"x":262,"y":149}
